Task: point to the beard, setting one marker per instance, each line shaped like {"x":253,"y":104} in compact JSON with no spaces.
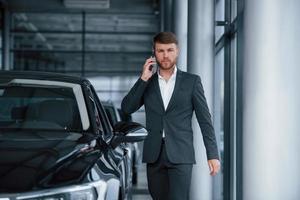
{"x":166,"y":64}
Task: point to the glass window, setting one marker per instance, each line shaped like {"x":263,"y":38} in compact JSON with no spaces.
{"x":40,"y":22}
{"x":96,"y":115}
{"x":233,"y":90}
{"x":219,"y":16}
{"x":110,"y":112}
{"x":118,"y":42}
{"x":219,"y":117}
{"x":37,"y":107}
{"x":59,"y":42}
{"x":226,"y":61}
{"x":47,"y":42}
{"x":1,"y":29}
{"x":233,"y":9}
{"x":100,"y":116}
{"x":121,"y":23}
{"x":47,"y":61}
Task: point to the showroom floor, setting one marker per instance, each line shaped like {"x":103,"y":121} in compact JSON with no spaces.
{"x":140,"y":191}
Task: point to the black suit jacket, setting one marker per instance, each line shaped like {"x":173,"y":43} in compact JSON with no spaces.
{"x":188,"y":96}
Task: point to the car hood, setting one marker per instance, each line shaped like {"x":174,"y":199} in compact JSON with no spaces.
{"x":39,"y":159}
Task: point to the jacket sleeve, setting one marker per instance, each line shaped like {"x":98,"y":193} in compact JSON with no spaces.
{"x":135,"y":97}
{"x":204,"y":120}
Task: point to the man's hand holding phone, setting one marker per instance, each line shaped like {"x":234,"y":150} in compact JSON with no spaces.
{"x":148,"y":69}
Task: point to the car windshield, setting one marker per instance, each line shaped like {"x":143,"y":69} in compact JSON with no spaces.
{"x":39,"y":107}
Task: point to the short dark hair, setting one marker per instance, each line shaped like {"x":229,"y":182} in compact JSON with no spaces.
{"x":165,"y":38}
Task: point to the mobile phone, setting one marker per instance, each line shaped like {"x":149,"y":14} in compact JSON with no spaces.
{"x":153,"y":67}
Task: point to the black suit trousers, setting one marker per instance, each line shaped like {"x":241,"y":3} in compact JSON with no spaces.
{"x":168,"y":181}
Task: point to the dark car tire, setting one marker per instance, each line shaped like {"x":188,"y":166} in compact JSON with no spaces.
{"x":134,"y":171}
{"x":120,"y":194}
{"x":134,"y":176}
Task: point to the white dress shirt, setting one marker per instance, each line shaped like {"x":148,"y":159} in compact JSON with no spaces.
{"x":166,"y":89}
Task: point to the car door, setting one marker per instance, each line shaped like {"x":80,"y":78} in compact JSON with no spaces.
{"x":119,"y":154}
{"x":105,"y":131}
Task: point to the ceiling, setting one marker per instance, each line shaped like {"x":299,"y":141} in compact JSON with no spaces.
{"x":98,"y":40}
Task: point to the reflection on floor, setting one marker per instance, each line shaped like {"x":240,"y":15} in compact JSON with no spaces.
{"x":140,"y":191}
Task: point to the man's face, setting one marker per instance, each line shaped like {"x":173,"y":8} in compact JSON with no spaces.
{"x":166,"y":55}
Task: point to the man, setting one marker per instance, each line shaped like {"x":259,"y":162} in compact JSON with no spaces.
{"x":170,"y":97}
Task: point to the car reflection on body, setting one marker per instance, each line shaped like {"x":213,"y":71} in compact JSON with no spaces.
{"x":132,"y":148}
{"x":56,"y":141}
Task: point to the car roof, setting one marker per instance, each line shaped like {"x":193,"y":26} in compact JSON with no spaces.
{"x":41,"y":76}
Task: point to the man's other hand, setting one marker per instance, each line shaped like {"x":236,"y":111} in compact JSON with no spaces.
{"x":214,"y":166}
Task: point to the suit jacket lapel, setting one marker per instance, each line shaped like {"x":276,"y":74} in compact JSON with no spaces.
{"x":157,"y":90}
{"x":176,"y":90}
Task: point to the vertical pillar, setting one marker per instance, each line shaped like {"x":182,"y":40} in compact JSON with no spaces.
{"x":6,"y":40}
{"x":83,"y":68}
{"x":180,"y":29}
{"x":161,"y":15}
{"x":166,"y":11}
{"x":271,"y":100}
{"x":201,"y":61}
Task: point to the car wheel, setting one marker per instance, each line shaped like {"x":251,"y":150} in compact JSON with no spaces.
{"x":134,"y":170}
{"x":120,"y":194}
{"x":134,"y":176}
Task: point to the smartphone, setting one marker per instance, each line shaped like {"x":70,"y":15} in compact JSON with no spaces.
{"x":153,"y":67}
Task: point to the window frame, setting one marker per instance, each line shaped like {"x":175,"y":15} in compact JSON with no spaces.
{"x":232,"y":168}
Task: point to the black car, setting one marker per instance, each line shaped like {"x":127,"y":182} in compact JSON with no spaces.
{"x":133,"y":151}
{"x":56,"y":141}
{"x":114,"y":118}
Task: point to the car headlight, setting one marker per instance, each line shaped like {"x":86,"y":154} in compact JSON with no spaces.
{"x":91,"y":191}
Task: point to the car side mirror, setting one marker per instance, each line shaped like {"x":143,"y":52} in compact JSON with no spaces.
{"x":128,"y":132}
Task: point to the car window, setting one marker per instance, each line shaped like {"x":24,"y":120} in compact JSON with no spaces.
{"x":107,"y":132}
{"x":111,"y":115}
{"x":96,"y":115}
{"x":108,"y":128}
{"x":39,"y":107}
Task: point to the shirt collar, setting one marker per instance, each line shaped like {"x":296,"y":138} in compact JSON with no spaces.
{"x":173,"y":76}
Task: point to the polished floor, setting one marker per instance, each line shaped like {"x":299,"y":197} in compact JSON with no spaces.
{"x":140,"y":191}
